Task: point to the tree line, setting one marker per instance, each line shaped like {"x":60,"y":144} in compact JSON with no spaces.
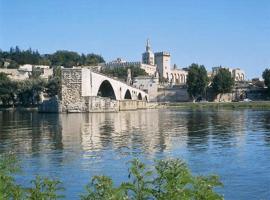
{"x":15,"y":57}
{"x":198,"y":82}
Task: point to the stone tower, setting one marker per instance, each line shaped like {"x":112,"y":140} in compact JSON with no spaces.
{"x":163,"y":62}
{"x":148,"y":55}
{"x":129,"y":78}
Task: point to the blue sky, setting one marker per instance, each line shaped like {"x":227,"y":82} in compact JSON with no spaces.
{"x":233,"y":33}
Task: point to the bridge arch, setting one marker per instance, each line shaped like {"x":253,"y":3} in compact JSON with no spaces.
{"x":127,"y":95}
{"x":106,"y":90}
{"x":139,"y":96}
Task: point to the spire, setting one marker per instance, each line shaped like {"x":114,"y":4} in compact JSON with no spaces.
{"x":148,"y":45}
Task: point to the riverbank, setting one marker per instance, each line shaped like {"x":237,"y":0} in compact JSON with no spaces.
{"x":218,"y":105}
{"x":19,"y":108}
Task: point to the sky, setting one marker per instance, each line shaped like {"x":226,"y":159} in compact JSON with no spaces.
{"x":230,"y":33}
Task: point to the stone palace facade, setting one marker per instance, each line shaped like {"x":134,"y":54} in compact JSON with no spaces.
{"x":155,"y":65}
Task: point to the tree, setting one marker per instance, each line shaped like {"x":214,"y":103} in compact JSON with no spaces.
{"x":222,"y":81}
{"x":65,"y":58}
{"x":197,"y":81}
{"x":266,"y":77}
{"x":121,"y":72}
{"x":8,"y":90}
{"x":29,"y":91}
{"x":53,"y":86}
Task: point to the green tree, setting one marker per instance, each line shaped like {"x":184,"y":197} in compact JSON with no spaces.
{"x":8,"y":90}
{"x":266,"y":77}
{"x":53,"y":86}
{"x":13,"y":65}
{"x":121,"y":72}
{"x":222,"y":82}
{"x":29,"y":91}
{"x":65,"y":58}
{"x":197,"y":81}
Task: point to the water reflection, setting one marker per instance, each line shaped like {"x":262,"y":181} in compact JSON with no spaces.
{"x":233,"y":144}
{"x":29,"y":132}
{"x":152,"y":131}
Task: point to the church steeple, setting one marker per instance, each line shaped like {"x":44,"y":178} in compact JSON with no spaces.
{"x":148,"y":47}
{"x":148,"y":55}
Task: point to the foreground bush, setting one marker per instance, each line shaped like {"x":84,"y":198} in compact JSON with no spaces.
{"x":168,"y":180}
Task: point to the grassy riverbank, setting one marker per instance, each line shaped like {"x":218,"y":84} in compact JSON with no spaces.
{"x":219,"y":105}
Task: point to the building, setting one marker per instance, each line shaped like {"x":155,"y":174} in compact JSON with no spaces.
{"x":163,"y":62}
{"x":25,"y":71}
{"x":237,"y":74}
{"x":147,"y":84}
{"x":175,"y":75}
{"x":149,"y":69}
{"x":153,"y":64}
{"x":148,"y":56}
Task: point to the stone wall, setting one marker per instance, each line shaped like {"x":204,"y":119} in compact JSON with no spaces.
{"x":72,"y":100}
{"x":173,"y":94}
{"x":132,"y":105}
{"x":101,"y":104}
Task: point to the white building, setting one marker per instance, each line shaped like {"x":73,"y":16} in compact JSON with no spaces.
{"x":153,"y":64}
{"x":175,"y":76}
{"x":237,"y":73}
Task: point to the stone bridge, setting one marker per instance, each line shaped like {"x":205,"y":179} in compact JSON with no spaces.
{"x":84,"y":90}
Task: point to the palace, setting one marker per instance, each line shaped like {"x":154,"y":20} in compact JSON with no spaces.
{"x":155,"y":65}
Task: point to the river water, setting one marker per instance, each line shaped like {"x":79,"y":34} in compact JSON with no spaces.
{"x":235,"y":144}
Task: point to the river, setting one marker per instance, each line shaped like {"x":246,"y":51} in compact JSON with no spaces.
{"x":235,"y":144}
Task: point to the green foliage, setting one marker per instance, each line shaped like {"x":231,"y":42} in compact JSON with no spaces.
{"x":17,"y":57}
{"x":222,"y":81}
{"x":13,"y":65}
{"x":45,"y":189}
{"x":20,"y":57}
{"x":172,"y":176}
{"x":29,"y":91}
{"x":101,"y":187}
{"x":140,"y":187}
{"x":266,"y":77}
{"x":8,"y":188}
{"x":8,"y":89}
{"x":121,"y":72}
{"x":171,"y":179}
{"x":197,"y":81}
{"x":65,"y":58}
{"x":53,"y":86}
{"x":42,"y":188}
